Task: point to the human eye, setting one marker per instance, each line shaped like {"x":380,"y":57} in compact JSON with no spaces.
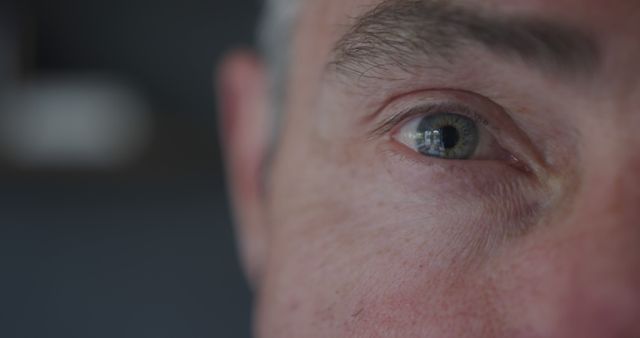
{"x":450,"y":125}
{"x":449,"y":131}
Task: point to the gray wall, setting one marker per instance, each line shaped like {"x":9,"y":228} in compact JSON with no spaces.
{"x":140,"y":251}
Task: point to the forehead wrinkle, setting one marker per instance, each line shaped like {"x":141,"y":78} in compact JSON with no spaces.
{"x":401,"y":34}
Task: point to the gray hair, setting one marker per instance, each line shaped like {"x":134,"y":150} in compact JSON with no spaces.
{"x":275,"y":33}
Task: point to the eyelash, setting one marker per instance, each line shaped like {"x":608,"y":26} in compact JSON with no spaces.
{"x":386,"y":126}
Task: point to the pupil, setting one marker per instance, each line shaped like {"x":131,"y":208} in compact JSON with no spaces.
{"x":450,"y":136}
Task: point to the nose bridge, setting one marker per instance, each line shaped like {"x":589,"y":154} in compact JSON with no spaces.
{"x":608,"y":201}
{"x":607,"y":219}
{"x":610,"y":161}
{"x":599,"y":246}
{"x":606,"y":212}
{"x":615,"y":169}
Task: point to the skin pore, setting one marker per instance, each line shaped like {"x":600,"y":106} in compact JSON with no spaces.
{"x":357,"y":234}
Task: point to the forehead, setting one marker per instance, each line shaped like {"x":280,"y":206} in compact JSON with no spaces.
{"x":600,"y":15}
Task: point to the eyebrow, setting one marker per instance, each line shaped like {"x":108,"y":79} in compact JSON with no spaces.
{"x":401,"y":33}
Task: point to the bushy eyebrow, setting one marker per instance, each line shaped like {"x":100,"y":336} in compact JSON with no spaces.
{"x":401,"y":33}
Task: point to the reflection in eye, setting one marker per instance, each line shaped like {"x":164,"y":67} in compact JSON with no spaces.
{"x":442,"y":135}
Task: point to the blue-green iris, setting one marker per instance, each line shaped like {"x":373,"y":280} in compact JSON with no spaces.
{"x":448,"y":136}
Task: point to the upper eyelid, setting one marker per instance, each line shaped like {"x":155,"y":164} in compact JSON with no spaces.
{"x":398,"y":118}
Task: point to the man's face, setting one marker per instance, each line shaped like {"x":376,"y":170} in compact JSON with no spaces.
{"x":455,"y":169}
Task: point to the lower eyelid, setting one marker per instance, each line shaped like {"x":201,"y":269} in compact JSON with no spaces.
{"x":439,"y":176}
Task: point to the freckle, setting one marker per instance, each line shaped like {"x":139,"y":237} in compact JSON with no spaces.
{"x":384,"y":251}
{"x":294,"y":306}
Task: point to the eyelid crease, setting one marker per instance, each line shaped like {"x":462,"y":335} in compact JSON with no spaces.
{"x":384,"y":105}
{"x":396,"y":119}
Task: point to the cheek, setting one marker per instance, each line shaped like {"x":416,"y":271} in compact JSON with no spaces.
{"x":380,"y":284}
{"x":359,"y":258}
{"x":380,"y":249}
{"x":484,"y":201}
{"x":428,"y":304}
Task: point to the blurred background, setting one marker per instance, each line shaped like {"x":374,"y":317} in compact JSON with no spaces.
{"x":113,"y":215}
